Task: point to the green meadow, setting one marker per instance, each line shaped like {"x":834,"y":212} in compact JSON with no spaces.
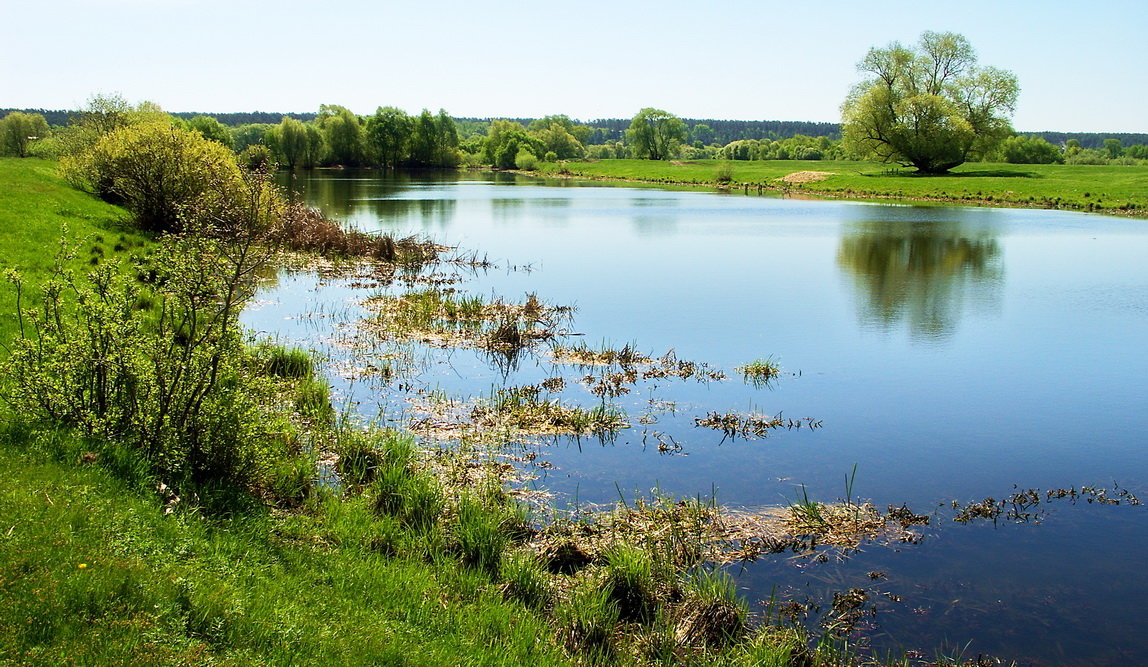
{"x":1106,"y":188}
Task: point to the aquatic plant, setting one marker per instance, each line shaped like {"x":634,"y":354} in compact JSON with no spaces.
{"x":760,"y":372}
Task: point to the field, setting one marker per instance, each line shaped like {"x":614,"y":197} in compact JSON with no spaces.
{"x":1111,"y":189}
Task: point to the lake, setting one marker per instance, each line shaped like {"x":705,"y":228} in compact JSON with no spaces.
{"x":948,"y":354}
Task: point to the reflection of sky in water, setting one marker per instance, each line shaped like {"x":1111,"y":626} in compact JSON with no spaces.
{"x":950,"y":352}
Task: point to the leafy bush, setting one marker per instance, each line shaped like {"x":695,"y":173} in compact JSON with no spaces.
{"x":525,"y":160}
{"x":174,"y":383}
{"x":160,"y":172}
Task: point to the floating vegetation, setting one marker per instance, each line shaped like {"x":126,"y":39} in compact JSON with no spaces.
{"x":524,"y":410}
{"x":733,"y":425}
{"x":554,"y":384}
{"x":446,"y":318}
{"x":760,"y":373}
{"x":582,"y":354}
{"x":670,"y":366}
{"x":1024,"y":506}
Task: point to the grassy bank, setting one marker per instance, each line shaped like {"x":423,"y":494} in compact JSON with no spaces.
{"x":98,"y":567}
{"x":1121,"y":190}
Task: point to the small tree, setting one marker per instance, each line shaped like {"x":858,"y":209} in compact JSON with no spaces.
{"x":18,"y":130}
{"x":655,"y":134}
{"x":930,"y":107}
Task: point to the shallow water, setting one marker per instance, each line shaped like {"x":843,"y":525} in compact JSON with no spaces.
{"x":949,"y":353}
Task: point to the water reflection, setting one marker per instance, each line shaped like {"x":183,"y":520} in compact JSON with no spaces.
{"x":924,"y":267}
{"x":363,"y":198}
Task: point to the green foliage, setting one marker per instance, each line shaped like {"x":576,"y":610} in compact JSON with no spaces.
{"x":212,"y":129}
{"x":930,"y":107}
{"x":295,"y":144}
{"x":655,"y":134}
{"x":1029,"y":150}
{"x":257,"y":158}
{"x":173,"y":382}
{"x":504,"y":141}
{"x":1114,"y":147}
{"x":388,"y":134}
{"x":159,"y":172}
{"x":723,"y":173}
{"x":18,"y":131}
{"x":245,"y":136}
{"x":559,"y":135}
{"x":343,"y":133}
{"x":525,"y":160}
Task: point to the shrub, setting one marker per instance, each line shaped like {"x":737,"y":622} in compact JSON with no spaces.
{"x":174,"y":382}
{"x":525,"y":160}
{"x":159,"y":172}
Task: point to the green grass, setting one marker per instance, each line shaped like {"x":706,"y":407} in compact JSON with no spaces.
{"x":93,"y":571}
{"x":1108,"y":188}
{"x":35,"y":205}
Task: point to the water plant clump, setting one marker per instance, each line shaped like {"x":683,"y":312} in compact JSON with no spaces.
{"x":523,"y":409}
{"x":733,"y":425}
{"x":305,"y":229}
{"x":581,"y":354}
{"x":443,"y":317}
{"x":760,"y":372}
{"x":1026,"y":505}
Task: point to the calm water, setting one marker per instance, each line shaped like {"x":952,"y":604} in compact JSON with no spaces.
{"x":950,"y":353}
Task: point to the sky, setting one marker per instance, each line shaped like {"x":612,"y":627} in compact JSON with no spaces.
{"x":1082,"y":66}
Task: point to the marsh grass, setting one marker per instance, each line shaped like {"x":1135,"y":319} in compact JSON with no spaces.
{"x":307,"y":230}
{"x":734,"y":425}
{"x":631,"y":581}
{"x":760,"y":372}
{"x":587,"y":620}
{"x":286,"y":362}
{"x":524,"y":409}
{"x":525,"y":580}
{"x":582,"y":354}
{"x":713,"y":615}
{"x":445,"y":318}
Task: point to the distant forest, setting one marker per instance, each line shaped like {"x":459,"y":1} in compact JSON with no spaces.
{"x":613,"y":129}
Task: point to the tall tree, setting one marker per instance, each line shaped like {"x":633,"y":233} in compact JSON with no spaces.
{"x":211,"y":129}
{"x":655,"y":134}
{"x":929,"y":107}
{"x":388,"y":134}
{"x":343,"y":133}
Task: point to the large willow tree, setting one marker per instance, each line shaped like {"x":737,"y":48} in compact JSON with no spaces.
{"x":929,"y":107}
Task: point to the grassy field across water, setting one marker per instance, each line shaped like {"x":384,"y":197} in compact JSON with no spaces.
{"x":1109,"y":189}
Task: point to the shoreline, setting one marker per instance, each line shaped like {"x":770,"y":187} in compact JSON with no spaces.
{"x":812,"y":191}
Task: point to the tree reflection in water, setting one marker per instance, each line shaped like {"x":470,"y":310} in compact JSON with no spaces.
{"x":924,"y":267}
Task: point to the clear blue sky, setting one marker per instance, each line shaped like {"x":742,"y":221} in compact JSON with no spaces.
{"x":1083,"y":66}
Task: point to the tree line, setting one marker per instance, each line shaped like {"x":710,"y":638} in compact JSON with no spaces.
{"x":895,"y":116}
